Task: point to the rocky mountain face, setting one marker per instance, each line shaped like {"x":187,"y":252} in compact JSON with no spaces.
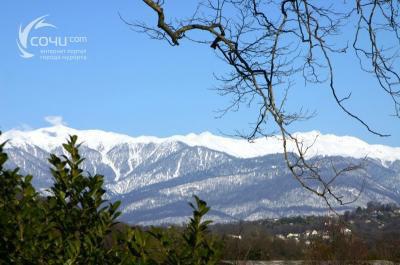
{"x":155,"y":178}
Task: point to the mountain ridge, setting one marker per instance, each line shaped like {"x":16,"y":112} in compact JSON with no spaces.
{"x":156,"y":178}
{"x":322,"y":144}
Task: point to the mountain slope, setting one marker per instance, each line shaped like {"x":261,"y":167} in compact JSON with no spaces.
{"x":155,"y":177}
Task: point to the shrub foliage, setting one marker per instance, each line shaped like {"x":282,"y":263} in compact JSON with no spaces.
{"x":74,"y":225}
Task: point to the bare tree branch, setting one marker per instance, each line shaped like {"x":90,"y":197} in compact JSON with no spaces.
{"x":268,"y":42}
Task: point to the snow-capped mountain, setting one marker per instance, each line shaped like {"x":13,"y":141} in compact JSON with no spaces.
{"x":156,"y":177}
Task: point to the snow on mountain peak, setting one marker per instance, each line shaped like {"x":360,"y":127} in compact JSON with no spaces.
{"x":322,"y":144}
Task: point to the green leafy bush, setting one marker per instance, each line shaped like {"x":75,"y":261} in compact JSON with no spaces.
{"x":74,"y":225}
{"x":24,"y":226}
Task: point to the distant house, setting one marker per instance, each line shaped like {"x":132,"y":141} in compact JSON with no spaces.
{"x":236,"y":236}
{"x":346,"y":231}
{"x":294,"y":236}
{"x":311,"y":233}
{"x":280,"y":236}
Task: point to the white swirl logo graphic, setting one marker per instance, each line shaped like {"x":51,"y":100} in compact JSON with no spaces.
{"x":53,"y":47}
{"x":23,"y":35}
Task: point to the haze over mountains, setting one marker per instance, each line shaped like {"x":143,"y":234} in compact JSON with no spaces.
{"x":156,"y":177}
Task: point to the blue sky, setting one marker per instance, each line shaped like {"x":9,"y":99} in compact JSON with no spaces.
{"x":138,"y":86}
